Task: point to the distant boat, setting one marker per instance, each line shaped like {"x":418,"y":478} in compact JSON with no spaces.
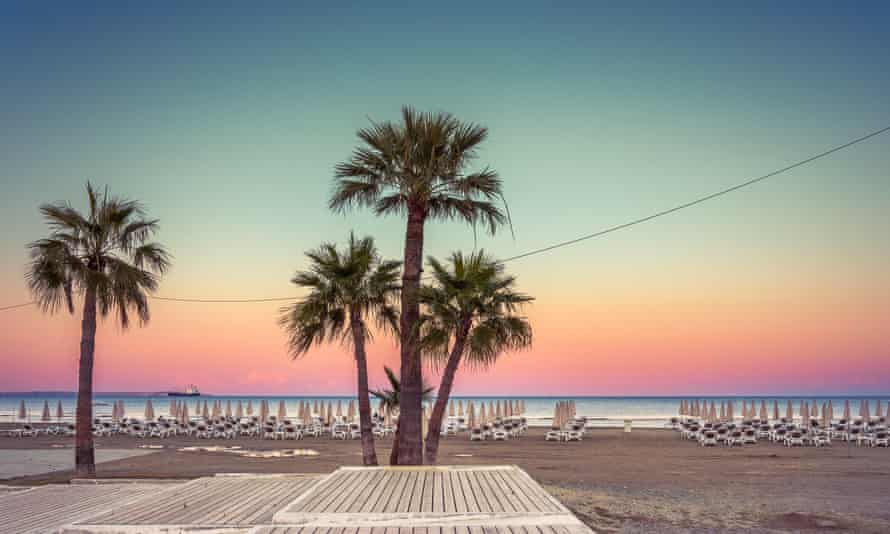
{"x":190,"y":391}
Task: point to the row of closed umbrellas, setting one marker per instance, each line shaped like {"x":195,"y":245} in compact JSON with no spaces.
{"x":327,"y":412}
{"x":806,"y":411}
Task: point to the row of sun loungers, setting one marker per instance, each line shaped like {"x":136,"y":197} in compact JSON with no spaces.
{"x":572,"y":431}
{"x":784,"y":432}
{"x":499,"y":430}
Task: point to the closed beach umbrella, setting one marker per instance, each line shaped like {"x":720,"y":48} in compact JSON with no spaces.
{"x":723,"y":410}
{"x":228,"y":408}
{"x":878,"y":412}
{"x":249,"y":407}
{"x":239,"y":409}
{"x":330,"y":416}
{"x":44,"y":415}
{"x":149,"y":410}
{"x":744,"y":409}
{"x":114,"y":413}
{"x":865,"y":411}
{"x":814,"y":410}
{"x":23,"y":412}
{"x":185,"y":412}
{"x":172,"y":408}
{"x":556,"y":416}
{"x":482,"y":413}
{"x":789,"y":410}
{"x":775,"y":410}
{"x":763,"y":415}
{"x":205,"y":412}
{"x":522,"y":406}
{"x":59,"y":413}
{"x":315,"y":408}
{"x":803,"y":412}
{"x":830,"y":410}
{"x":730,"y":409}
{"x":825,"y":420}
{"x":847,"y":409}
{"x":498,"y":412}
{"x":471,"y":415}
{"x":460,"y":408}
{"x":713,"y":414}
{"x":451,"y":408}
{"x":680,"y":409}
{"x":350,"y":412}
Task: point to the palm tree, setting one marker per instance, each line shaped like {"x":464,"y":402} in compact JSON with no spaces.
{"x":391,"y":399}
{"x":471,"y":316}
{"x":346,"y":289}
{"x":106,"y":257}
{"x":418,"y":168}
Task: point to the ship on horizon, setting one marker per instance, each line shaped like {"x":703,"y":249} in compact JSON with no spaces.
{"x":191,"y":390}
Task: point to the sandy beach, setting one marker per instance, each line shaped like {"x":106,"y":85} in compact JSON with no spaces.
{"x":645,"y":481}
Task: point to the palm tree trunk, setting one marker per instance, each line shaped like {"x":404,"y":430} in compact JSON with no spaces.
{"x":84,"y":457}
{"x":410,"y":439}
{"x":444,"y":392}
{"x":369,"y":455}
{"x":394,"y":453}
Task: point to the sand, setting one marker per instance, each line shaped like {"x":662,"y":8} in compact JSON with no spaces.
{"x":645,"y":481}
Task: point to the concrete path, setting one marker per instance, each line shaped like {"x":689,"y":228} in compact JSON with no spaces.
{"x":27,"y":462}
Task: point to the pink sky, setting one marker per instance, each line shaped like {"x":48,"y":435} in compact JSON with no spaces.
{"x":636,"y":345}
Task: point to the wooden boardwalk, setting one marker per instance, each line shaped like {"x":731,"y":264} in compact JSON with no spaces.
{"x":351,"y":500}
{"x":47,"y":508}
{"x":565,"y":529}
{"x":471,"y":496}
{"x":224,"y":503}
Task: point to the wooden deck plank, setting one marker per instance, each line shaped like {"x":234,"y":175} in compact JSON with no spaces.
{"x":383,"y":491}
{"x":457,"y":492}
{"x":438,"y":492}
{"x":404,"y":504}
{"x":367,"y":492}
{"x":47,"y":508}
{"x":344,"y":494}
{"x":393,"y":502}
{"x":447,"y":496}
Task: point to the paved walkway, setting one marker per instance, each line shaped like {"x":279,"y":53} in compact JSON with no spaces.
{"x":27,"y":462}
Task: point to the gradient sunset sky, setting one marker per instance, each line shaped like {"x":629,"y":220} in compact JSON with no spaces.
{"x":227,"y":124}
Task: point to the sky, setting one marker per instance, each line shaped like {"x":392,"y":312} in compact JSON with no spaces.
{"x":227,"y":123}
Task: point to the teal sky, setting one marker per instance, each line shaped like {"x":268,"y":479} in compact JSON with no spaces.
{"x":227,"y":123}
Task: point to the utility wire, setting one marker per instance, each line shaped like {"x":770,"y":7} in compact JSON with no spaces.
{"x":697,"y":201}
{"x":596,"y":234}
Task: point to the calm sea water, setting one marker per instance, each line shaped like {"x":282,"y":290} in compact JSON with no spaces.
{"x":606,"y":411}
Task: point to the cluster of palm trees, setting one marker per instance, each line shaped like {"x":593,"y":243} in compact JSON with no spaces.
{"x":419,"y":168}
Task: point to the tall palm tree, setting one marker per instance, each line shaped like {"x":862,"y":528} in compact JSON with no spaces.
{"x":106,"y":257}
{"x":471,"y":316}
{"x":391,"y":399}
{"x":346,"y":289}
{"x":418,"y":168}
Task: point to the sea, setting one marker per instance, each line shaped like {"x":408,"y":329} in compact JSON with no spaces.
{"x":646,"y":412}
